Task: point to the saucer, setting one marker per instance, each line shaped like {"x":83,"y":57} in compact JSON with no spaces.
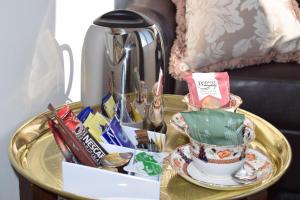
{"x":182,"y":163}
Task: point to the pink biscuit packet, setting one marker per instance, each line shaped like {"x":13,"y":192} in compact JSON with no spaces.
{"x":208,"y":90}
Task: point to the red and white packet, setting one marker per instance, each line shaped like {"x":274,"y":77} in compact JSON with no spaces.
{"x":208,"y":90}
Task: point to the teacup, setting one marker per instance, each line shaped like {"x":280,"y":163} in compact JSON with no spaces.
{"x":234,"y":103}
{"x":215,"y":160}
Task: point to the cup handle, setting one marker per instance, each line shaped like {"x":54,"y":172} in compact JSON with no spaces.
{"x":249,"y":134}
{"x":67,"y":48}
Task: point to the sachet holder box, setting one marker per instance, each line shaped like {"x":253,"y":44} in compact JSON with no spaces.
{"x":97,"y":183}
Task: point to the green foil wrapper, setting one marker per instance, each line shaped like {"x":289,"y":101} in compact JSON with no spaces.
{"x":217,"y":127}
{"x":151,"y":166}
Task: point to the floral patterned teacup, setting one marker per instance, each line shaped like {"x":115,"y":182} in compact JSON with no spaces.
{"x":215,"y":160}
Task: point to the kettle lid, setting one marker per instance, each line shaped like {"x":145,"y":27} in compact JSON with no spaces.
{"x":122,"y":19}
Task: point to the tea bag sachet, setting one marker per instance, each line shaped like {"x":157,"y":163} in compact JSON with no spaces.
{"x":146,"y":164}
{"x":96,"y":124}
{"x":84,"y":114}
{"x":108,"y":105}
{"x":216,"y":127}
{"x":114,"y":134}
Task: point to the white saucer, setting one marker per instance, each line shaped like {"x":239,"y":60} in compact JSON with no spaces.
{"x":200,"y":176}
{"x":182,"y":163}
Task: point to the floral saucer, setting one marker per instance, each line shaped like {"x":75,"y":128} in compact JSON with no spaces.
{"x":256,"y":163}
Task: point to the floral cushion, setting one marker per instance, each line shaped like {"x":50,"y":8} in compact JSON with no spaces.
{"x":213,"y":35}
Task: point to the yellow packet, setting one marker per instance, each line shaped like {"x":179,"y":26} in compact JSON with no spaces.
{"x":102,"y":121}
{"x":88,"y":119}
{"x":137,"y":117}
{"x":88,"y":123}
{"x":109,"y":106}
{"x":94,"y":123}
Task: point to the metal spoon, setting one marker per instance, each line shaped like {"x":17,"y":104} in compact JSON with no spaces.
{"x":247,"y":174}
{"x":116,"y":160}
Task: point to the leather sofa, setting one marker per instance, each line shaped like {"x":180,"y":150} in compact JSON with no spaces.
{"x":271,"y":91}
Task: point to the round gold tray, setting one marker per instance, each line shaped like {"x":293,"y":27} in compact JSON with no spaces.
{"x":34,"y":154}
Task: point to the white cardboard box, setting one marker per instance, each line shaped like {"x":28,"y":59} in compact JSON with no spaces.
{"x":102,"y":184}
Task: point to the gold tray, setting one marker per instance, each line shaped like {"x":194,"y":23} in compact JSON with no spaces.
{"x":34,"y":154}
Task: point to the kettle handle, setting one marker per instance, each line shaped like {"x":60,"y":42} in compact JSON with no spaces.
{"x":67,"y":48}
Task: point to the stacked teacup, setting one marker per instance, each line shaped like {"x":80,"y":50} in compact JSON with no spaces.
{"x":218,"y":141}
{"x":219,"y":137}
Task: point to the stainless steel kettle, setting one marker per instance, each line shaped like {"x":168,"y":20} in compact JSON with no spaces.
{"x":122,"y":54}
